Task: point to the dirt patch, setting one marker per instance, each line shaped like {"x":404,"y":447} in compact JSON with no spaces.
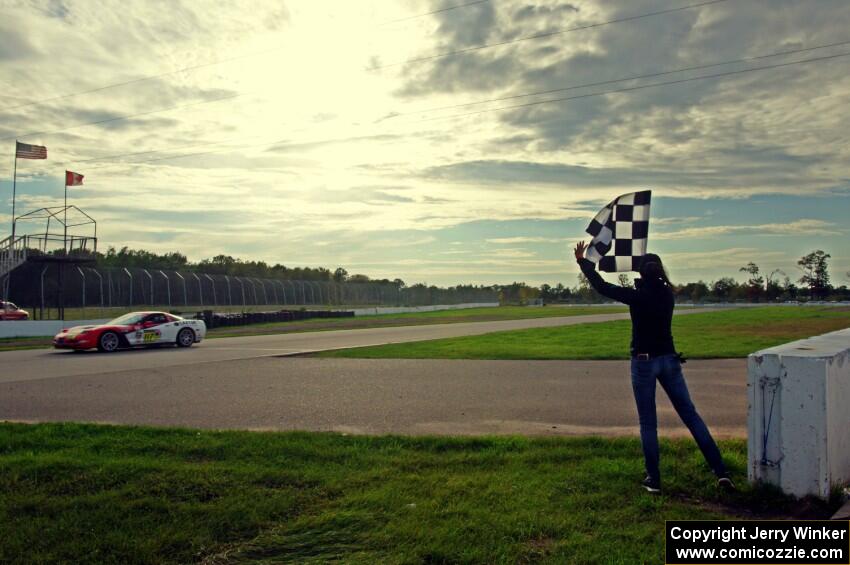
{"x":791,"y":329}
{"x":537,"y":549}
{"x":808,"y":508}
{"x":11,"y":344}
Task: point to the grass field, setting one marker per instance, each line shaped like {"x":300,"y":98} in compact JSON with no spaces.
{"x":420,"y":318}
{"x":101,"y":494}
{"x":377,"y":321}
{"x":721,"y":334}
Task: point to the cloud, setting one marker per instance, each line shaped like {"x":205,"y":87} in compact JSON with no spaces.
{"x":729,"y":136}
{"x":521,"y":239}
{"x":301,"y":167}
{"x":797,"y":227}
{"x":723,"y":258}
{"x":512,"y":253}
{"x":16,"y":44}
{"x":675,"y":220}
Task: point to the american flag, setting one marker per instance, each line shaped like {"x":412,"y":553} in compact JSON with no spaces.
{"x":27,"y":151}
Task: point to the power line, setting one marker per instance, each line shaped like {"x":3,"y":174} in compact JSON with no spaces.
{"x":433,"y":12}
{"x":628,"y":89}
{"x":199,"y":66}
{"x":199,"y":153}
{"x":101,"y":165}
{"x":171,"y":148}
{"x":573,"y":87}
{"x":263,"y":52}
{"x":119,"y":118}
{"x":611,"y":81}
{"x":630,"y":18}
{"x":220,"y":61}
{"x":547,"y":34}
{"x":640,"y":87}
{"x":140,"y":79}
{"x":148,"y":152}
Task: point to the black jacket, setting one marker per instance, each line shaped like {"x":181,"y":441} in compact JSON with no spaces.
{"x":651,"y":308}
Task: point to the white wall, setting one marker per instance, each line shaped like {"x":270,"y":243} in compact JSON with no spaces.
{"x":405,"y":309}
{"x":40,"y":328}
{"x":802,"y":444}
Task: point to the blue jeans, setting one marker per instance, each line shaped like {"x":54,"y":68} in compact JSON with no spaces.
{"x":667,"y":370}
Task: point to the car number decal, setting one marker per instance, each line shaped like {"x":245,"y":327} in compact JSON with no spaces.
{"x":152,"y":335}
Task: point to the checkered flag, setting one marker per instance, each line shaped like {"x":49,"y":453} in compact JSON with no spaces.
{"x":624,"y":226}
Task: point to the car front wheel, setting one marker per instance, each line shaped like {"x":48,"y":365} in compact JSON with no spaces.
{"x":108,"y":342}
{"x":185,"y":338}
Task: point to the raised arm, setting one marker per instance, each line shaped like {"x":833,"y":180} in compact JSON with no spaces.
{"x":612,"y":291}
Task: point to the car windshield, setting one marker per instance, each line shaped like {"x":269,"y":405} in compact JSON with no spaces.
{"x":126,"y":320}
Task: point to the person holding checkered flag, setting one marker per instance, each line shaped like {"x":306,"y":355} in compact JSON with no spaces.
{"x":623,"y":226}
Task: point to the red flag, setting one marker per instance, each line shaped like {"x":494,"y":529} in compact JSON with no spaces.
{"x":27,"y":151}
{"x":73,"y":179}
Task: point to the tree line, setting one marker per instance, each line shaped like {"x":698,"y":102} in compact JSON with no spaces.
{"x":233,"y":266}
{"x":812,"y":282}
{"x":226,"y":265}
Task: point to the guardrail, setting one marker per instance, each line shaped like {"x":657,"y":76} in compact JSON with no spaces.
{"x":405,"y":309}
{"x":220,"y":319}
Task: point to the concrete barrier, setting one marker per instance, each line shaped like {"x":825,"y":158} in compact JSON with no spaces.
{"x":406,"y":309}
{"x":798,"y":415}
{"x":40,"y":328}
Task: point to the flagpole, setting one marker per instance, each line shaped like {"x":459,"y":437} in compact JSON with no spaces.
{"x":65,"y":237}
{"x":14,"y":187}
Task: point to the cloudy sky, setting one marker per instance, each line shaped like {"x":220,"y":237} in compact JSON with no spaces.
{"x":393,"y":138}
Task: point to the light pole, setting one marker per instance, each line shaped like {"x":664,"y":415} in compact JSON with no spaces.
{"x":229,"y":294}
{"x":212,"y":282}
{"x":151,"y":279}
{"x":265,"y":295}
{"x":276,"y":297}
{"x":82,"y":274}
{"x":100,"y":279}
{"x":44,"y":270}
{"x":283,"y":288}
{"x":130,"y":302}
{"x":167,"y":286}
{"x":200,"y":289}
{"x":185,"y":294}
{"x":242,"y":286}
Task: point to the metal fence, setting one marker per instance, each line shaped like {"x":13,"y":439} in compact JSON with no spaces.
{"x":40,"y":286}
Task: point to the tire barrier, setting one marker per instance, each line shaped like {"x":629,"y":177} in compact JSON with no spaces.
{"x":220,"y":319}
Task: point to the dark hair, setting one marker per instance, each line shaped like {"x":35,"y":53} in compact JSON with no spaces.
{"x":652,"y":268}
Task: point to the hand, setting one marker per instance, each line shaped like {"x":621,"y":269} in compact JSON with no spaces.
{"x":579,"y":250}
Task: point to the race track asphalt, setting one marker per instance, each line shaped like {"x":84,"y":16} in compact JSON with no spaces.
{"x":250,"y":383}
{"x":46,"y":363}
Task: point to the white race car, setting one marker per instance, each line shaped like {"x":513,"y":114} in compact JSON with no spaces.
{"x":136,"y":329}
